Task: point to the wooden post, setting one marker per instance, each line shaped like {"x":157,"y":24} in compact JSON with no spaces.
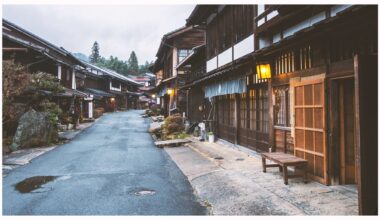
{"x":237,"y":117}
{"x":365,"y":71}
{"x":270,"y":116}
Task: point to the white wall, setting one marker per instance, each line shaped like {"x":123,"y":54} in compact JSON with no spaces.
{"x":225,"y":57}
{"x":244,"y":47}
{"x":211,"y":64}
{"x":59,"y":74}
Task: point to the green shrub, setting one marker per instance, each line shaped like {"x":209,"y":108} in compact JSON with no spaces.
{"x":182,"y":136}
{"x":98,"y":112}
{"x":174,"y":124}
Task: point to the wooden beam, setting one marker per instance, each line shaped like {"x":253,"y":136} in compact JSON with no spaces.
{"x":15,"y":49}
{"x":365,"y":71}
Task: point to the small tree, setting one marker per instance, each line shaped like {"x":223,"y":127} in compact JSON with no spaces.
{"x":133,"y":64}
{"x":95,"y":56}
{"x":16,"y":81}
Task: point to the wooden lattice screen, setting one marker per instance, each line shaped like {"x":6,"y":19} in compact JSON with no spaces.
{"x":310,"y":126}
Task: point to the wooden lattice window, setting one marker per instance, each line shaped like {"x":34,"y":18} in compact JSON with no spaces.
{"x":281,"y":107}
{"x":305,"y":57}
{"x":284,"y":62}
{"x":263,"y":110}
{"x":243,"y":111}
{"x":309,"y":126}
{"x":225,"y":110}
{"x":232,"y":109}
{"x":252,"y":109}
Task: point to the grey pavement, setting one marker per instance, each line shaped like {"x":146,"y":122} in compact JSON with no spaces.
{"x":234,"y":184}
{"x":111,"y":168}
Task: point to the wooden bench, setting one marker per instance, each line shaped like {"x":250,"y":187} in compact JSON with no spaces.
{"x":282,"y":161}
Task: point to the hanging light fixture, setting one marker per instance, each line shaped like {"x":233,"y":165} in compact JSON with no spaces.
{"x":169,"y":91}
{"x":263,"y":71}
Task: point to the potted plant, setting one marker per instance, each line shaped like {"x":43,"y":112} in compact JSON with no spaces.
{"x":211,"y":137}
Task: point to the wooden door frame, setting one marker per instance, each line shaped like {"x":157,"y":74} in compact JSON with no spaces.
{"x":333,"y":127}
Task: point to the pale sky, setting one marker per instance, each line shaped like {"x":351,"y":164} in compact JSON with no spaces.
{"x":118,"y":29}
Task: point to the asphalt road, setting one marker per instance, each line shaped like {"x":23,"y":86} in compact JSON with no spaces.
{"x":112,"y":168}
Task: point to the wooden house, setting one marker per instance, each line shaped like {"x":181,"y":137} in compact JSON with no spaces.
{"x":324,"y":62}
{"x":39,"y":55}
{"x":239,"y":103}
{"x":174,"y":47}
{"x":319,"y":100}
{"x":197,"y":106}
{"x":110,"y":89}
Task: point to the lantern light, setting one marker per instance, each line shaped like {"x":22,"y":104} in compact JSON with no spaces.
{"x":263,"y":71}
{"x":170,"y":91}
{"x":153,"y":95}
{"x":112,"y":99}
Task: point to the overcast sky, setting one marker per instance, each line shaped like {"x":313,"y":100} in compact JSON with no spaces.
{"x":118,"y":29}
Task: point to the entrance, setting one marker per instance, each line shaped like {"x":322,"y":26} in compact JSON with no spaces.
{"x":309,"y":111}
{"x":343,"y":131}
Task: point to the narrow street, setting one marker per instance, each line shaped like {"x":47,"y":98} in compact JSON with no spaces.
{"x":112,"y":168}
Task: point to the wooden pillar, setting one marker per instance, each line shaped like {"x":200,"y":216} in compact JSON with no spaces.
{"x":237,"y":117}
{"x":270,"y":116}
{"x":365,"y":70}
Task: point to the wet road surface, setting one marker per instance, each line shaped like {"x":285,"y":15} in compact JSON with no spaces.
{"x":112,"y":168}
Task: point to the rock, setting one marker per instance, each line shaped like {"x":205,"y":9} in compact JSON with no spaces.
{"x":155,"y":127}
{"x":158,"y":118}
{"x":62,"y":127}
{"x":70,"y":126}
{"x":34,"y":129}
{"x":15,"y":111}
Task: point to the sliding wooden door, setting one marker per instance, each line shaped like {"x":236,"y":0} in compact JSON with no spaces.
{"x":309,"y":112}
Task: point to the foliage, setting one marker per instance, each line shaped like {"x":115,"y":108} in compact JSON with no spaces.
{"x":65,"y":118}
{"x":17,"y":99}
{"x":144,"y":68}
{"x":182,"y":135}
{"x":95,"y":55}
{"x":46,"y":81}
{"x":130,"y":67}
{"x":173,"y":124}
{"x":210,"y":133}
{"x":16,"y":81}
{"x":53,"y":110}
{"x":133,"y":64}
{"x":98,"y":112}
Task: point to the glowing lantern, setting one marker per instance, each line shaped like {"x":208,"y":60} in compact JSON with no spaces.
{"x":263,"y":71}
{"x":170,"y":91}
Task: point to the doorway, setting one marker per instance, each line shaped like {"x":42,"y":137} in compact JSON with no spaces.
{"x":343,"y":129}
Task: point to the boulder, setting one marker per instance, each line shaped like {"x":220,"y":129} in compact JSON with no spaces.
{"x":34,"y":129}
{"x":155,"y":127}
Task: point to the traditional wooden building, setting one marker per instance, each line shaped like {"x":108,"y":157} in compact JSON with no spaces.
{"x":174,"y":47}
{"x":239,"y":102}
{"x":85,"y":84}
{"x":38,"y":55}
{"x":110,"y":89}
{"x":197,"y":106}
{"x":304,"y":83}
{"x":321,"y":57}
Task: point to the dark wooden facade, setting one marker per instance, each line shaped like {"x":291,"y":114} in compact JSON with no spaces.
{"x":174,"y":48}
{"x":313,"y":104}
